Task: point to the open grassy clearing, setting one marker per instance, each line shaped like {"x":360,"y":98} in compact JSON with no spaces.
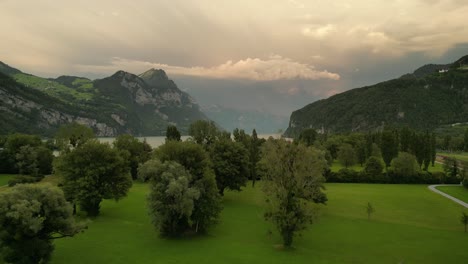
{"x":458,"y":192}
{"x":4,"y":178}
{"x":410,"y":225}
{"x":463,"y":156}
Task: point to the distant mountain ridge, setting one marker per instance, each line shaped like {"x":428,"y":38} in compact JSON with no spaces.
{"x":230,"y":119}
{"x":142,"y":105}
{"x":431,"y":96}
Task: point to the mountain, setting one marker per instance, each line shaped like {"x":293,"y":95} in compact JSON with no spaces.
{"x":431,"y":96}
{"x":230,"y":119}
{"x":142,"y":105}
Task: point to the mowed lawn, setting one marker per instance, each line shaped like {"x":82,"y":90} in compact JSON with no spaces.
{"x":458,"y":192}
{"x":411,"y":225}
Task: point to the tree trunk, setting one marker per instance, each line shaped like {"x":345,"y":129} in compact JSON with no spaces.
{"x":287,"y":235}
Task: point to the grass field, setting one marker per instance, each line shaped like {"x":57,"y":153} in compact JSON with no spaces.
{"x":410,"y":225}
{"x":463,"y":156}
{"x":458,"y":192}
{"x":4,"y":178}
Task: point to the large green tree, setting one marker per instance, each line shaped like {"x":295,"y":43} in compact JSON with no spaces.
{"x":133,"y":151}
{"x":347,"y":155}
{"x":196,"y":161}
{"x":405,"y":164}
{"x":389,"y":146}
{"x":73,"y":135}
{"x":230,"y":163}
{"x":92,"y":172}
{"x":172,"y":133}
{"x":172,"y":197}
{"x":31,"y":217}
{"x":203,"y":132}
{"x":293,"y":178}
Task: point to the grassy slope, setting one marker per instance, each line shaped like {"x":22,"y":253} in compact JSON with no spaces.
{"x":458,"y":192}
{"x":411,"y":224}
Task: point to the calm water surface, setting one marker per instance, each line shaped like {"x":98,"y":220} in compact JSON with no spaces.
{"x":158,"y":141}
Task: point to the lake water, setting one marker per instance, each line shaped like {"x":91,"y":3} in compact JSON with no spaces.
{"x":155,"y":142}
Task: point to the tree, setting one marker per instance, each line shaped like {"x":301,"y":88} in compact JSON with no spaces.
{"x":203,"y":132}
{"x":31,"y":217}
{"x":373,"y":166}
{"x":451,"y":167}
{"x":73,"y":135}
{"x":254,"y":156}
{"x":134,"y":151}
{"x":196,"y":161}
{"x":172,"y":133}
{"x":172,"y":199}
{"x":464,"y":219}
{"x":12,"y":146}
{"x":370,"y":210}
{"x":389,"y":146}
{"x":34,"y":161}
{"x":231,"y":165}
{"x":347,"y":155}
{"x":92,"y":172}
{"x":308,"y":136}
{"x":405,"y":139}
{"x":405,"y":164}
{"x":293,"y":177}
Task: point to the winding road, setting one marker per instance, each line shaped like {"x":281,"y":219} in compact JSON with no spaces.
{"x":458,"y":201}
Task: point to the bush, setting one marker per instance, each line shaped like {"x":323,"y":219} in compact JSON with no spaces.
{"x":23,"y":179}
{"x":465,"y":182}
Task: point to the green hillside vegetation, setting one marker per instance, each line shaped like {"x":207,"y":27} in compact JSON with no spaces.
{"x":420,"y":101}
{"x":52,"y":87}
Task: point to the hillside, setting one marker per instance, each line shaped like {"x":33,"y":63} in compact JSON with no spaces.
{"x":424,"y":99}
{"x":122,"y":103}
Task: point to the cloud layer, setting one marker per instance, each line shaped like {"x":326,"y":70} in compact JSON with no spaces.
{"x":273,"y":68}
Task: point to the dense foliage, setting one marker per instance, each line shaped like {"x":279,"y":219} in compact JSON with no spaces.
{"x":230,"y":163}
{"x":196,"y":161}
{"x":92,"y":172}
{"x":31,"y":217}
{"x":172,"y":196}
{"x":293,"y":177}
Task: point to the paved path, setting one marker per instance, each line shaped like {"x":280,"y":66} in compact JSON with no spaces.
{"x":458,"y":201}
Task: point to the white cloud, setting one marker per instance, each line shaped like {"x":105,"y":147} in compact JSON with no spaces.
{"x":273,"y":68}
{"x":319,"y":32}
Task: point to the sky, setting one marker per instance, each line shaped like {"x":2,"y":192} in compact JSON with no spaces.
{"x":268,"y":55}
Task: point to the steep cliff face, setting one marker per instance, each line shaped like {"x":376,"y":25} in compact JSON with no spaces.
{"x":122,"y":103}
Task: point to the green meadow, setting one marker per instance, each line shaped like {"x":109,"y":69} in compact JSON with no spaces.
{"x":410,"y":225}
{"x":458,"y":192}
{"x":4,"y":178}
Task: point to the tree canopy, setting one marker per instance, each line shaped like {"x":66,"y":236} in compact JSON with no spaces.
{"x":293,"y":177}
{"x":31,"y":217}
{"x":92,"y":172}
